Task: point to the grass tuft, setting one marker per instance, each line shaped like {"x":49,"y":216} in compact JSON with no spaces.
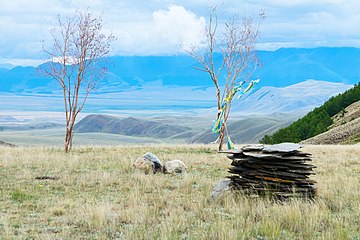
{"x":20,"y":196}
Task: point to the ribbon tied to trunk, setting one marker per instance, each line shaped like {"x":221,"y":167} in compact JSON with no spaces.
{"x":226,"y":102}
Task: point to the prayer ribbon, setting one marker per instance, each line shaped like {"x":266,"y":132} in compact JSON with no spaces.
{"x":220,"y":121}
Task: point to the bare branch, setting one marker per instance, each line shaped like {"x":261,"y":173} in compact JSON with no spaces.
{"x":239,"y":60}
{"x":78,"y":47}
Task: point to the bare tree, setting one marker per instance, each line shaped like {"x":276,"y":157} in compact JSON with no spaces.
{"x":77,"y":50}
{"x":236,"y":44}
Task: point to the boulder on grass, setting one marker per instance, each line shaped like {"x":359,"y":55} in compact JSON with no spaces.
{"x":148,"y":163}
{"x":222,"y":187}
{"x":174,"y":166}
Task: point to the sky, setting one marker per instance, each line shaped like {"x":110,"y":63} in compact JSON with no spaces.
{"x":161,"y":27}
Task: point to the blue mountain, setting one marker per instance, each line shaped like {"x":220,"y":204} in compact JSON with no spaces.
{"x":171,"y":70}
{"x":7,"y":66}
{"x":280,"y":68}
{"x":286,"y":67}
{"x":25,"y":79}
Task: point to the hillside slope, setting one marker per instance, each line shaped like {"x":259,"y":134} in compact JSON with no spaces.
{"x":5,"y":144}
{"x":350,"y":113}
{"x":317,"y":121}
{"x":344,"y":130}
{"x":249,"y":130}
{"x":128,"y":126}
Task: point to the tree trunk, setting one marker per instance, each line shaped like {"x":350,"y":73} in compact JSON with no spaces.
{"x":68,"y":140}
{"x":221,"y":137}
{"x":222,"y":129}
{"x":218,"y":101}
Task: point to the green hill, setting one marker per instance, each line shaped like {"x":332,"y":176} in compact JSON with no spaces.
{"x":345,"y":130}
{"x":316,"y":121}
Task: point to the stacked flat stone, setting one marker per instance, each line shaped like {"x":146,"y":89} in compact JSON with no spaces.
{"x":280,"y":170}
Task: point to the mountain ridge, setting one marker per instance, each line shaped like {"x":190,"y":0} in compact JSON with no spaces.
{"x":5,"y":144}
{"x":129,"y":126}
{"x":245,"y":131}
{"x":280,"y":68}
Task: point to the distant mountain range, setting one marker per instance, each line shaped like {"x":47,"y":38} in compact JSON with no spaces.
{"x":28,"y":126}
{"x":288,"y":66}
{"x":7,"y":66}
{"x":293,"y":82}
{"x":7,"y":118}
{"x":280,"y":68}
{"x":249,"y":130}
{"x":252,"y":117}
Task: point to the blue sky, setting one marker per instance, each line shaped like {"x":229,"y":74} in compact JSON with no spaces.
{"x":160,"y":27}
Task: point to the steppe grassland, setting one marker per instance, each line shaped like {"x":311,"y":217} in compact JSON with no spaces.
{"x":100,"y":196}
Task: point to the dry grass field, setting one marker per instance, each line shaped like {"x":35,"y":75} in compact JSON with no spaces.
{"x":98,"y":195}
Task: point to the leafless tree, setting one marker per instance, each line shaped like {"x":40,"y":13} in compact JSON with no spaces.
{"x":236,"y":44}
{"x":76,"y":54}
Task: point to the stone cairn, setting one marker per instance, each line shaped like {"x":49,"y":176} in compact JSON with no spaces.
{"x":280,"y":170}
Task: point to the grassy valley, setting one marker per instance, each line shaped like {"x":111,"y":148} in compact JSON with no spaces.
{"x":55,"y":137}
{"x":96,"y":129}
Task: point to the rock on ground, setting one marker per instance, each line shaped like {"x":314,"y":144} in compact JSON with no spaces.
{"x":175,"y":166}
{"x":222,"y":187}
{"x":148,"y":162}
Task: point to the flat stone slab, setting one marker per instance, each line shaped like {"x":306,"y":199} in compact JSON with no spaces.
{"x":231,"y":151}
{"x":253,"y":147}
{"x":282,"y":148}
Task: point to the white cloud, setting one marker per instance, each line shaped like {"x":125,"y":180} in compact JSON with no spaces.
{"x":310,"y":24}
{"x":178,"y":26}
{"x":161,"y":26}
{"x":165,"y":33}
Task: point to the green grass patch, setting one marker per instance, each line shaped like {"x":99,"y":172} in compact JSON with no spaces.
{"x":20,"y":196}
